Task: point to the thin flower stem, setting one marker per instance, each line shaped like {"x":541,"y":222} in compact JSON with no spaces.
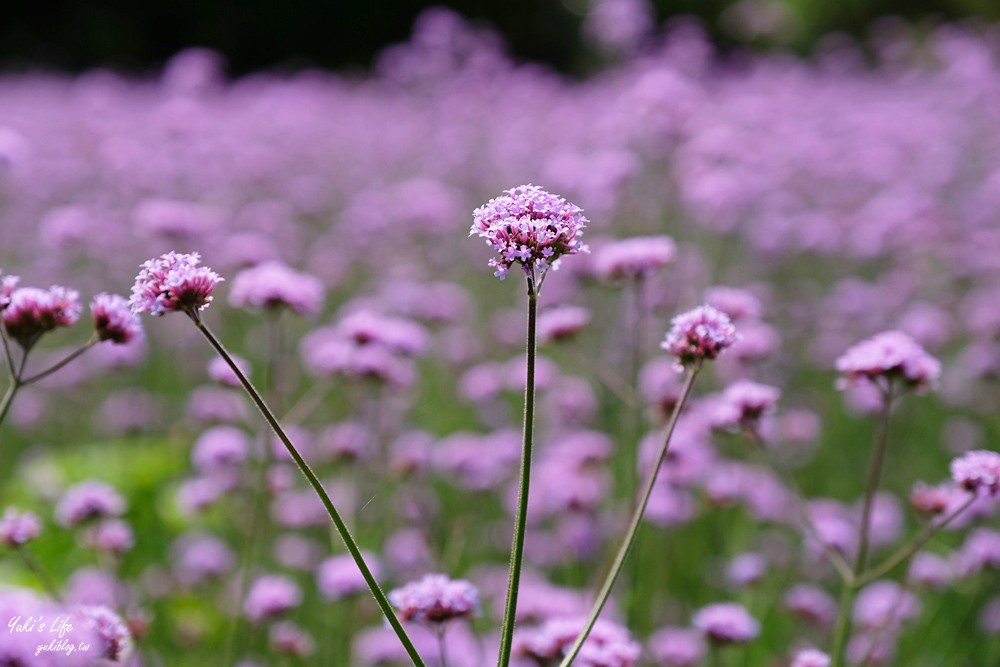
{"x":39,"y":572}
{"x":309,"y":401}
{"x":317,"y":486}
{"x":8,"y":398}
{"x":94,"y":340}
{"x":838,"y":562}
{"x":442,"y":645}
{"x":633,"y":528}
{"x":907,"y":551}
{"x":517,"y":549}
{"x":8,"y":357}
{"x":850,"y":588}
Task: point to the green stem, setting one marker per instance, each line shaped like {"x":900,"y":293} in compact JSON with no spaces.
{"x":517,"y":549}
{"x":907,"y":551}
{"x":39,"y":573}
{"x":317,"y":486}
{"x":633,"y":528}
{"x":8,"y":398}
{"x":851,"y":587}
{"x":94,"y":340}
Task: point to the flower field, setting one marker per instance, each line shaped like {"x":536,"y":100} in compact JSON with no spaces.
{"x":691,"y":361}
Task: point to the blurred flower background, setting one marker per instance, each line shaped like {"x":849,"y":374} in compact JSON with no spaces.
{"x":819,"y":172}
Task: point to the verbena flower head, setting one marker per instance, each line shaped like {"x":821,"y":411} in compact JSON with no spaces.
{"x":435,"y":599}
{"x":529,"y":226}
{"x":32,"y":312}
{"x":607,"y":645}
{"x":743,"y":403}
{"x":634,"y":258}
{"x":7,"y":285}
{"x":889,"y":355}
{"x":87,"y":500}
{"x":173,"y":283}
{"x":726,"y":623}
{"x":115,"y":637}
{"x":270,"y":596}
{"x":561,"y":323}
{"x":699,"y":334}
{"x":17,"y":528}
{"x":810,"y":657}
{"x":114,"y":319}
{"x":273,"y":285}
{"x":978,"y":471}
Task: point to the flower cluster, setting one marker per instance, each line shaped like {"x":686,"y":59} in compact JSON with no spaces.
{"x":273,"y":285}
{"x":607,"y":645}
{"x":435,"y":599}
{"x":17,"y":528}
{"x":726,"y":623}
{"x":634,"y":258}
{"x":173,"y":282}
{"x":114,"y":319}
{"x":978,"y":471}
{"x":699,"y":334}
{"x":529,"y":226}
{"x":31,"y":312}
{"x":889,"y":355}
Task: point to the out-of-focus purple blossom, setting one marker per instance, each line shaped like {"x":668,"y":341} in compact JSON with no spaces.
{"x":931,"y":570}
{"x":347,"y":440}
{"x":88,"y":500}
{"x":619,"y":26}
{"x":743,"y":403}
{"x":213,"y":405}
{"x":980,"y":550}
{"x":529,"y":226}
{"x":406,"y":551}
{"x":885,"y":604}
{"x":114,"y":320}
{"x":116,"y":640}
{"x":297,"y":552}
{"x":273,"y":285}
{"x":607,"y":645}
{"x":745,"y":570}
{"x":478,"y":462}
{"x":112,"y":536}
{"x":219,"y":448}
{"x":811,"y":603}
{"x":289,"y":639}
{"x":989,"y":617}
{"x":978,"y":471}
{"x":17,"y":528}
{"x":561,"y":323}
{"x":659,"y":385}
{"x":299,"y":509}
{"x":877,"y":647}
{"x":173,"y":282}
{"x":810,"y":657}
{"x":738,"y":304}
{"x":435,"y":599}
{"x":198,"y":557}
{"x":271,"y":596}
{"x":889,"y":355}
{"x":633,"y":258}
{"x":175,"y":220}
{"x":886,"y":520}
{"x":835,"y":526}
{"x":220,"y":371}
{"x":196,"y":495}
{"x":698,"y":335}
{"x":7,"y":285}
{"x":726,"y":623}
{"x":339,"y":576}
{"x":92,"y":586}
{"x":677,"y":647}
{"x":935,"y":500}
{"x":32,"y":312}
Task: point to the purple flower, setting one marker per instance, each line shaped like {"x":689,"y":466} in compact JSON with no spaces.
{"x":114,"y":634}
{"x":273,"y":285}
{"x":811,"y":603}
{"x":810,"y":657}
{"x":220,"y":448}
{"x":435,"y":599}
{"x":677,"y":647}
{"x":698,"y":335}
{"x":87,"y":500}
{"x":198,"y":556}
{"x":114,"y":319}
{"x":220,"y":371}
{"x":884,"y":604}
{"x":270,"y":596}
{"x":17,"y":528}
{"x":607,"y":645}
{"x":32,"y":312}
{"x":979,"y":471}
{"x":529,"y":226}
{"x":339,"y":576}
{"x":561,"y":323}
{"x":289,"y":639}
{"x":112,"y":536}
{"x":746,"y":569}
{"x":7,"y":285}
{"x":743,"y":403}
{"x":173,"y":283}
{"x":726,"y":623}
{"x":935,"y":500}
{"x":739,"y":304}
{"x":634,"y":258}
{"x":889,"y":355}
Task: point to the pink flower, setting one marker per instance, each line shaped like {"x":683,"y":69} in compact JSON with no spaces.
{"x":699,"y":334}
{"x":272,"y":285}
{"x":173,"y":283}
{"x":811,"y":658}
{"x":114,"y":319}
{"x":726,"y":623}
{"x":435,"y":599}
{"x":562,"y":323}
{"x":7,"y":285}
{"x":32,"y":312}
{"x":634,"y":258}
{"x":979,"y":471}
{"x":17,"y":528}
{"x":889,"y":355}
{"x":529,"y":226}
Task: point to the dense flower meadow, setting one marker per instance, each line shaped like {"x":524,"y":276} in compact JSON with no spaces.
{"x":269,"y":399}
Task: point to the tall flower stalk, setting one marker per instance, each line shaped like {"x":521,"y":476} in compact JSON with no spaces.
{"x":176,"y":283}
{"x":531,"y":227}
{"x":694,"y":337}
